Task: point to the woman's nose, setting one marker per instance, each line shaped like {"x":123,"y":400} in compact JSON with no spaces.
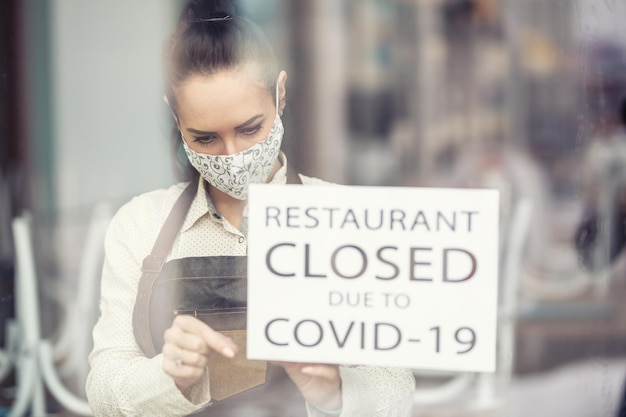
{"x":232,"y":146}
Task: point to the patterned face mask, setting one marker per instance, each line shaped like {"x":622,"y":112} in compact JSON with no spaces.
{"x":233,"y":174}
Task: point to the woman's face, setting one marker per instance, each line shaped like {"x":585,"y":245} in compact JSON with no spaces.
{"x":227,"y":112}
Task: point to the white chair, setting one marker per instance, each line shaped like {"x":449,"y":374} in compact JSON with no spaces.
{"x":35,"y":368}
{"x":72,"y":346}
{"x":512,"y":265}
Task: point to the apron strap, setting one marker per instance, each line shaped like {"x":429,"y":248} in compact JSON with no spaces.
{"x":153,"y":263}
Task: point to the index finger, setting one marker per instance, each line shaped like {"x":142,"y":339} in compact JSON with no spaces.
{"x":215,"y":340}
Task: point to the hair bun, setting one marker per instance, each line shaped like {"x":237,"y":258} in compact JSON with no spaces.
{"x":203,"y":10}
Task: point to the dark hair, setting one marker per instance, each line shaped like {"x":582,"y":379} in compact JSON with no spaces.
{"x":210,"y":37}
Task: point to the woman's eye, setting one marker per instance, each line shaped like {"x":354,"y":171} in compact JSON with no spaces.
{"x":251,"y":131}
{"x":204,"y":140}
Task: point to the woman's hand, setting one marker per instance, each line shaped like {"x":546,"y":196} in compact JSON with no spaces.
{"x":189,"y":345}
{"x":319,"y":384}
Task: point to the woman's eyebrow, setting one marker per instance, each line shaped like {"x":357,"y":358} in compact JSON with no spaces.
{"x":249,"y":121}
{"x":241,"y":126}
{"x":199,"y":132}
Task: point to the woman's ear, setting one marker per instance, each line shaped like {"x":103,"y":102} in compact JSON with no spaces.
{"x":282,"y":91}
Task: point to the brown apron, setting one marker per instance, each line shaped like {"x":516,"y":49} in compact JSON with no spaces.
{"x":213,"y":289}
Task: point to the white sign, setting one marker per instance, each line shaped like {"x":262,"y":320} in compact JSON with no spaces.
{"x":384,"y":276}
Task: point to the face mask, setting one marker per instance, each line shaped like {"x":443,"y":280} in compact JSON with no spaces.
{"x":234,"y":173}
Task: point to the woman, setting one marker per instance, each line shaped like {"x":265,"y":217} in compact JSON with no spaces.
{"x":226,"y":96}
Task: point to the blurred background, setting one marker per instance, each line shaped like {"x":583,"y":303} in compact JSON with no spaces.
{"x":525,"y":96}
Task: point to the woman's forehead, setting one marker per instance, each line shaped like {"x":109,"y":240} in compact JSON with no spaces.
{"x":228,"y":93}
